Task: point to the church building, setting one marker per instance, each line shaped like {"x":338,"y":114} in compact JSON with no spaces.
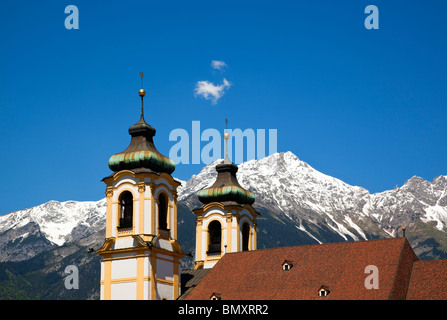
{"x":141,"y":254}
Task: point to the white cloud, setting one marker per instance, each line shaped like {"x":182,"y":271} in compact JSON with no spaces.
{"x":210,"y":91}
{"x":218,"y":64}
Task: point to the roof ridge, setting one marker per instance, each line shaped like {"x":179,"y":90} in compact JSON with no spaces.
{"x":411,"y":278}
{"x":324,"y":244}
{"x":400,"y":262}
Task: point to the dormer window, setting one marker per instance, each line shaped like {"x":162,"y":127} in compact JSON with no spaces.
{"x":216,"y":296}
{"x":323,"y":291}
{"x":287,"y":265}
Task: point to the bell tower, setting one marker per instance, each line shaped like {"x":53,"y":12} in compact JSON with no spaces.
{"x":226,"y":221}
{"x":140,"y":255}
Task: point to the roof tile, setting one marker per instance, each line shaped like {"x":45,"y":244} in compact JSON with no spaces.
{"x":258,"y":275}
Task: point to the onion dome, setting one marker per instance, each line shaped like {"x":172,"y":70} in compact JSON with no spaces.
{"x":226,"y":187}
{"x":141,"y":153}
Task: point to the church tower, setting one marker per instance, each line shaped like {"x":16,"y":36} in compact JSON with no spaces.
{"x":140,"y":255}
{"x":226,"y":222}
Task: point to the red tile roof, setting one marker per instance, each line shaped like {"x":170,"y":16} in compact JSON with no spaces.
{"x":258,"y":275}
{"x":428,"y":280}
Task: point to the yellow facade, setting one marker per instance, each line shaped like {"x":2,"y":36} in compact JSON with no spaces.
{"x":231,"y":219}
{"x":141,"y":260}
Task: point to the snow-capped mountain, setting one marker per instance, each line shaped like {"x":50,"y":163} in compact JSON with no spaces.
{"x":298,"y":205}
{"x":326,"y":209}
{"x":30,"y":231}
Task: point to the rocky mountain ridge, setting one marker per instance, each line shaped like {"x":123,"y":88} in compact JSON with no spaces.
{"x":311,"y":206}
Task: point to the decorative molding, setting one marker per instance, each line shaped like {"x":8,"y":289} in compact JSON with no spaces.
{"x":124,"y":231}
{"x":107,"y":245}
{"x":164,"y":233}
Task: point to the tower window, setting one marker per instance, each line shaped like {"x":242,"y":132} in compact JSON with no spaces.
{"x":245,"y":236}
{"x":215,"y":236}
{"x":162,"y":212}
{"x":126,"y":209}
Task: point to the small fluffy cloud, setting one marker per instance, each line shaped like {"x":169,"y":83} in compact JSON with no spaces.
{"x":218,"y":64}
{"x":210,"y":91}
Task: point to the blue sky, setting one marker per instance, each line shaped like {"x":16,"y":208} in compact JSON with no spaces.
{"x":366,"y":106}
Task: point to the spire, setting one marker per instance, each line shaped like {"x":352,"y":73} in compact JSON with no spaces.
{"x":226,"y":187}
{"x":226,"y":137}
{"x":141,"y":153}
{"x":142,"y":93}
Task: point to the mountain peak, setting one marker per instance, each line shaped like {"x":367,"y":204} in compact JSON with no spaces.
{"x":288,"y":190}
{"x":57,"y":220}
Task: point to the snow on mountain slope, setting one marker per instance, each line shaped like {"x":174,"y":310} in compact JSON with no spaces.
{"x":58,"y":220}
{"x":281,"y":182}
{"x":284,"y":184}
{"x":417,"y":199}
{"x":324,"y":208}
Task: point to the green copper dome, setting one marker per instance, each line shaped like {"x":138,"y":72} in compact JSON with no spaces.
{"x":141,"y":152}
{"x":226,"y":187}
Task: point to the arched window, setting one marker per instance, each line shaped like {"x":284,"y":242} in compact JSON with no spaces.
{"x":245,"y":236}
{"x":215,"y":236}
{"x":162,"y":212}
{"x":126,"y":209}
